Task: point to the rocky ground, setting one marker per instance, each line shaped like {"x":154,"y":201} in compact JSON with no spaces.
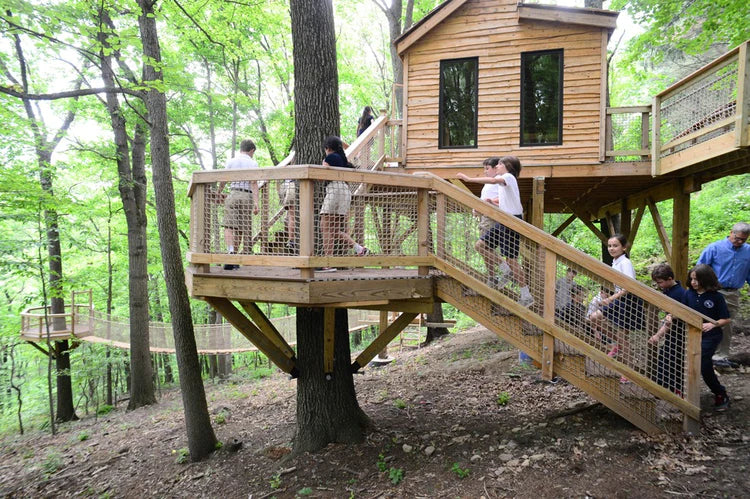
{"x":460,"y":418}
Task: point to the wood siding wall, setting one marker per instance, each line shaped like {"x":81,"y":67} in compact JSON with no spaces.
{"x":490,"y":30}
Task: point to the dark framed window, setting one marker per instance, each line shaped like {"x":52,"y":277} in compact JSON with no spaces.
{"x":458,"y":103}
{"x":541,"y":98}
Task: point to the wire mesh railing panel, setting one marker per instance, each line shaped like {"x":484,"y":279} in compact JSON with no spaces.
{"x":366,"y":158}
{"x":356,"y":218}
{"x":492,"y":253}
{"x":236,"y":220}
{"x":698,"y":105}
{"x":629,"y":133}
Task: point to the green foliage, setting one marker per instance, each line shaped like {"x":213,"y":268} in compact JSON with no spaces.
{"x":382,"y":466}
{"x":275,"y":481}
{"x":305,"y":491}
{"x":396,"y":475}
{"x":460,"y":472}
{"x":84,"y":435}
{"x":105,"y":409}
{"x":183,"y":455}
{"x":400,"y":404}
{"x":503,"y":398}
{"x":52,"y":463}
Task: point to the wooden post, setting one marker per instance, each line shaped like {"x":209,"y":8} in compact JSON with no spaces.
{"x":680,"y":232}
{"x":329,"y":323}
{"x":644,"y":133}
{"x":693,"y":377}
{"x":441,"y":221}
{"x":383,"y":354}
{"x":423,"y":227}
{"x":548,"y":341}
{"x":656,"y":137}
{"x":306,"y":224}
{"x":625,"y":220}
{"x":661,"y":231}
{"x":381,"y":136}
{"x":742,"y":127}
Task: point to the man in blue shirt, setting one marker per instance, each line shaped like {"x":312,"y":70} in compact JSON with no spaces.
{"x":730,"y":259}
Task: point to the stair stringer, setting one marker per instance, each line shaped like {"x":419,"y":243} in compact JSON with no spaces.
{"x":629,"y":401}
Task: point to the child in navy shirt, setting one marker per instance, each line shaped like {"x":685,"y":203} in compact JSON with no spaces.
{"x":704,"y":297}
{"x":670,"y":361}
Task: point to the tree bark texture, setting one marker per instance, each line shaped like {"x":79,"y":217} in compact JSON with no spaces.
{"x":201,"y":437}
{"x":327,"y":410}
{"x":132,"y":187}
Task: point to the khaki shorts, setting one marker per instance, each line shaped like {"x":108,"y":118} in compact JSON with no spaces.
{"x":337,"y":200}
{"x":238,"y":210}
{"x":288,"y":193}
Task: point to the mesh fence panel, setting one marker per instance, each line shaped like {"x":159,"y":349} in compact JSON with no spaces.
{"x":698,"y":105}
{"x":627,"y":134}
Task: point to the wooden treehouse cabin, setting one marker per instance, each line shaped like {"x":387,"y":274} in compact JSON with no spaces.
{"x":490,"y":78}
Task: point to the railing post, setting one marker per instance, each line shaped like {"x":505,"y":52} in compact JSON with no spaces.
{"x":440,"y":209}
{"x":692,"y":377}
{"x":306,"y":224}
{"x":381,"y":136}
{"x":548,"y":341}
{"x":742,"y":125}
{"x":645,"y":132}
{"x":423,"y":227}
{"x":656,"y":136}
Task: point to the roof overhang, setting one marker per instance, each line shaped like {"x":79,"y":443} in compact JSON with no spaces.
{"x":569,"y":15}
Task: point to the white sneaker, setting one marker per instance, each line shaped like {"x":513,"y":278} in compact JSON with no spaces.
{"x":526,"y":301}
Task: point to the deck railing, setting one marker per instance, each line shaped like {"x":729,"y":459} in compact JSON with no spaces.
{"x":422,"y":222}
{"x":704,"y":114}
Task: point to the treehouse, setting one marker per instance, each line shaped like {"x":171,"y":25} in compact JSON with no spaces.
{"x":490,"y":78}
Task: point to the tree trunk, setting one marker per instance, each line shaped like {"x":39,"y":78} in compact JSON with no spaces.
{"x":201,"y":437}
{"x":327,"y":410}
{"x":434,"y":333}
{"x":132,"y":187}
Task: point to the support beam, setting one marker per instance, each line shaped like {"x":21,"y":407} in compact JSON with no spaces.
{"x":661,"y":231}
{"x":252,"y":333}
{"x":564,"y":225}
{"x":680,"y":233}
{"x":537,"y":203}
{"x":548,"y":341}
{"x":637,"y":222}
{"x":265,"y":325}
{"x":382,"y":340}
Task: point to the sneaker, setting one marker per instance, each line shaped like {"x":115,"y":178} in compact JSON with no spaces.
{"x":721,"y":402}
{"x":363,"y":252}
{"x":613,"y":353}
{"x":526,"y":301}
{"x":325,"y":269}
{"x":724,"y":362}
{"x":229,"y":266}
{"x":291,"y":248}
{"x":624,"y":380}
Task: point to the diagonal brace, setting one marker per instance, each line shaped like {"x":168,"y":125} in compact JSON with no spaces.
{"x":252,"y":333}
{"x":265,"y":325}
{"x":382,"y":340}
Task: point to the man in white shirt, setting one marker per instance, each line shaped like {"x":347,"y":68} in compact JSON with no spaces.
{"x":240,"y":204}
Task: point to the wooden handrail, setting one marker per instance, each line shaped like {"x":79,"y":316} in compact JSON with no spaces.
{"x":715,"y":64}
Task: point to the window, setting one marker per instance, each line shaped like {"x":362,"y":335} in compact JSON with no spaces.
{"x":541,"y":98}
{"x":458,"y":103}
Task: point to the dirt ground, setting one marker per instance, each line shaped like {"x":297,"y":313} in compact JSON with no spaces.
{"x":442,"y":431}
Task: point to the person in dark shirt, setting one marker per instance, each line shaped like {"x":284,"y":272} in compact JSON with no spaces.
{"x":670,"y":360}
{"x":704,"y":297}
{"x":365,"y":120}
{"x":335,"y":208}
{"x":573,"y":315}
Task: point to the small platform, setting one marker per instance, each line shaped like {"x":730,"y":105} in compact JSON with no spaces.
{"x":366,"y":287}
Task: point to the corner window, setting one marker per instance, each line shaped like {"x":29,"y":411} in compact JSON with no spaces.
{"x":541,"y":98}
{"x":458,"y":103}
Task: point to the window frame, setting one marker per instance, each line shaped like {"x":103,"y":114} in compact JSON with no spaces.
{"x":560,"y":87}
{"x":441,"y":118}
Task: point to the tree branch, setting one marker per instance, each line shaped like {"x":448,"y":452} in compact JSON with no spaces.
{"x":12,"y":91}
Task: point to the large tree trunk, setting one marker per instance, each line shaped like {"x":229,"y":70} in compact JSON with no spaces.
{"x":327,"y":411}
{"x":201,"y":437}
{"x":132,"y":187}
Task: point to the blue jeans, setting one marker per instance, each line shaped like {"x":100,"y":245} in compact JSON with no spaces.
{"x":709,"y":343}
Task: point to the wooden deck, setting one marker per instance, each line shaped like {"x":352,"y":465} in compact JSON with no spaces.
{"x":356,"y":287}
